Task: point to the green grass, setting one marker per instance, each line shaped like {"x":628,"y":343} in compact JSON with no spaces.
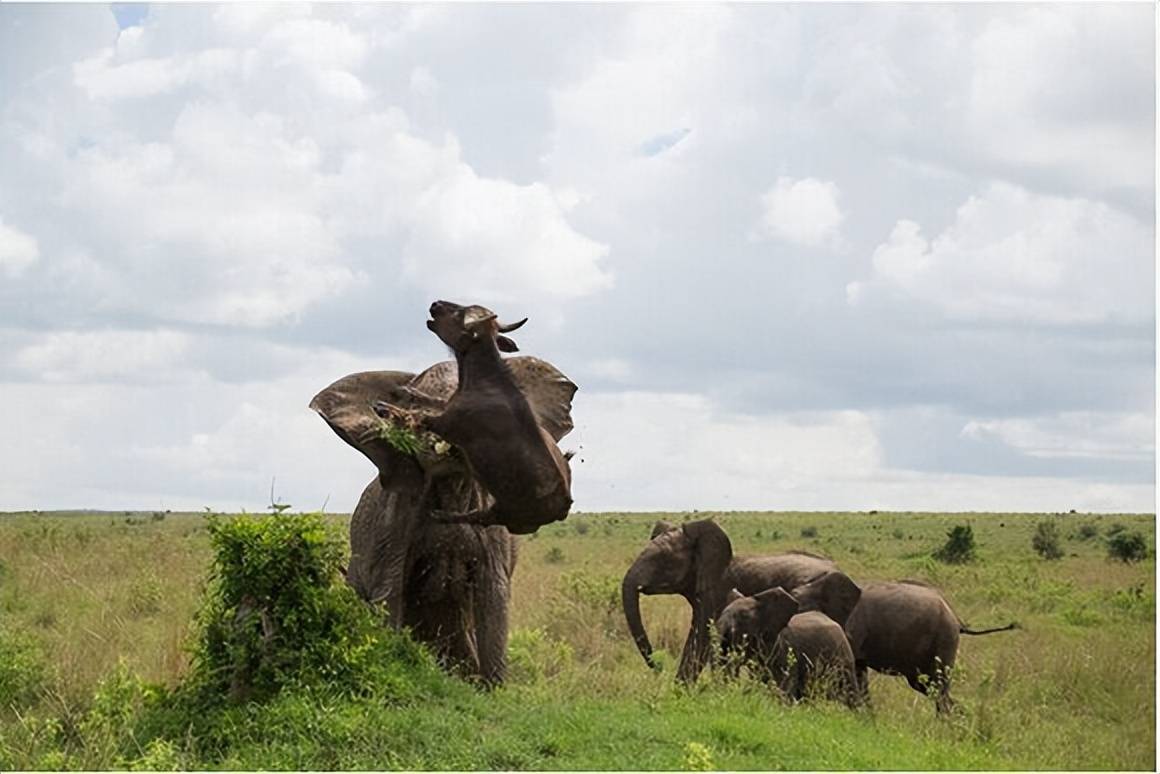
{"x":101,"y":606}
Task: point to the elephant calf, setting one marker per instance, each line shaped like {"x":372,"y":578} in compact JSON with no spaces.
{"x":790,"y":648}
{"x":907,"y":628}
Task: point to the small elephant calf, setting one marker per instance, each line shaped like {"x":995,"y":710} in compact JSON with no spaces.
{"x":789,"y":648}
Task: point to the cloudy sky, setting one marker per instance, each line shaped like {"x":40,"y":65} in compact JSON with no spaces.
{"x":796,"y":257}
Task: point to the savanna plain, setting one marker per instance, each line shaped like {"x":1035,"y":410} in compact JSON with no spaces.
{"x":99,"y":613}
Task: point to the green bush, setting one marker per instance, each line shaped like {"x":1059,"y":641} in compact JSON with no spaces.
{"x":554,"y":555}
{"x":22,"y":671}
{"x":1127,"y":546}
{"x":809,"y":532}
{"x":960,"y":546}
{"x":1045,"y":541}
{"x":275,"y":613}
{"x":1087,"y":531}
{"x":533,"y":656}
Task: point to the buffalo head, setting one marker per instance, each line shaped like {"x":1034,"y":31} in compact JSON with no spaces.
{"x":461,"y":326}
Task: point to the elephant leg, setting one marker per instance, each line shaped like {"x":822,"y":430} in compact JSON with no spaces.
{"x":492,"y":594}
{"x":916,"y":681}
{"x":862,"y":682}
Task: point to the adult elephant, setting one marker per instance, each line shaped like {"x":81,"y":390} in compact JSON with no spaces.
{"x":449,"y":583}
{"x":695,"y":560}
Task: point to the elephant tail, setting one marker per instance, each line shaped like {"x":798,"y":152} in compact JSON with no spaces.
{"x":964,"y":630}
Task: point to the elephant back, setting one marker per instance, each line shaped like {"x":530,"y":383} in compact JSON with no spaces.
{"x":898,"y":625}
{"x":753,"y":574}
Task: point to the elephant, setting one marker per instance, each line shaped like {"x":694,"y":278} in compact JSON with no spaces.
{"x":907,"y":628}
{"x":695,"y":560}
{"x":450,"y":584}
{"x":788,"y":647}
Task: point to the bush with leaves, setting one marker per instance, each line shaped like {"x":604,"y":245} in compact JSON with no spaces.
{"x":960,"y":546}
{"x":1127,"y":546}
{"x":1045,"y":541}
{"x":22,"y":670}
{"x":276,"y":613}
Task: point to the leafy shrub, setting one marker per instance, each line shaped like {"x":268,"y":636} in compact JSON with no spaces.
{"x":809,"y":532}
{"x":533,"y":656}
{"x":554,"y":555}
{"x":586,"y":591}
{"x":107,"y":730}
{"x":276,"y":614}
{"x":1087,"y":531}
{"x":22,"y":671}
{"x":581,"y":527}
{"x":897,"y":534}
{"x":1127,"y":546}
{"x":960,"y":546}
{"x":1045,"y":541}
{"x":1134,"y":602}
{"x":585,"y":611}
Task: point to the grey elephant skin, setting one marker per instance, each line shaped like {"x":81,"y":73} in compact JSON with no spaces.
{"x":449,"y":583}
{"x":696,"y":561}
{"x":790,"y":648}
{"x":907,"y":628}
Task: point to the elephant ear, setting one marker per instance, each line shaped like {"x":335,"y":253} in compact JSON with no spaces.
{"x":547,"y":390}
{"x":346,"y":407}
{"x":712,"y":553}
{"x":733,"y":596}
{"x":833,"y":593}
{"x":774,"y":609}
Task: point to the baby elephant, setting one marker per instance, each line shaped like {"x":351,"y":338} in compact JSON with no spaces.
{"x":790,"y":648}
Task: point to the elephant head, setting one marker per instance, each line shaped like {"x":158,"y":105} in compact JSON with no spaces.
{"x":691,"y":561}
{"x":751,"y":625}
{"x":833,"y":593}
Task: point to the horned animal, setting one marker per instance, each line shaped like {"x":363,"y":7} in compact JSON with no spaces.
{"x":489,"y":419}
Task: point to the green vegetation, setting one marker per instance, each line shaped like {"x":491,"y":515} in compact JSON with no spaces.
{"x":1045,"y":541}
{"x":119,"y":644}
{"x":960,"y":546}
{"x":1127,"y":546}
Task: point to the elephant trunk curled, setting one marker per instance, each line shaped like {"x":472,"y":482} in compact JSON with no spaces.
{"x":630,"y":596}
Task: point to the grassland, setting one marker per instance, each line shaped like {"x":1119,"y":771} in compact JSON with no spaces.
{"x":96,"y":607}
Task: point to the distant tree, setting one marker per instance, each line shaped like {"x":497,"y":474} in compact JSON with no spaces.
{"x":1045,"y":541}
{"x":960,"y":546}
{"x":1127,"y":546}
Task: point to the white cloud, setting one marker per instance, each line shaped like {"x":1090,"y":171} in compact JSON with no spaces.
{"x":1015,"y":255}
{"x":423,"y":82}
{"x":487,"y":238}
{"x":88,"y":356}
{"x":681,"y":451}
{"x":1032,"y":68}
{"x":804,"y":211}
{"x":1072,"y":435}
{"x":18,"y":250}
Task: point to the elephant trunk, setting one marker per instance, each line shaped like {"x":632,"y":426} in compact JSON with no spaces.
{"x":630,"y":596}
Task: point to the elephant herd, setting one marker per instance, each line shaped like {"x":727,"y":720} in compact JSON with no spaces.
{"x":433,"y":535}
{"x":795,"y":617}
